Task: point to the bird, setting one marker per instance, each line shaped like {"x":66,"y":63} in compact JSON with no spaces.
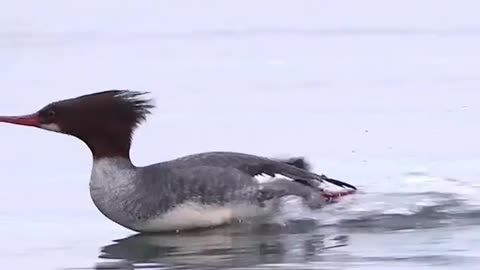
{"x":196,"y":191}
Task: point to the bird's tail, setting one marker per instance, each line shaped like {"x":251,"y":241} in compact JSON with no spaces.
{"x":331,"y":196}
{"x":298,"y":162}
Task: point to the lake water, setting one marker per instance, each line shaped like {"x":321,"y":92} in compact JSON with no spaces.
{"x":382,"y":94}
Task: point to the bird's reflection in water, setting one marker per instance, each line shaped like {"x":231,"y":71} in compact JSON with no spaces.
{"x":233,"y":246}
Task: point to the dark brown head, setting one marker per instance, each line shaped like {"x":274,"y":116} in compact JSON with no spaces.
{"x":105,"y":121}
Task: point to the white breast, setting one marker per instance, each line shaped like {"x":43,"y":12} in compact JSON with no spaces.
{"x":112,"y":173}
{"x":112,"y":183}
{"x":194,"y":215}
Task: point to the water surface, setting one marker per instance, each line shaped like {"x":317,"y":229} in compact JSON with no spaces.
{"x":383,"y":95}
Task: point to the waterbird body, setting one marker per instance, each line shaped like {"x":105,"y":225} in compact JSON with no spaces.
{"x":195,"y":191}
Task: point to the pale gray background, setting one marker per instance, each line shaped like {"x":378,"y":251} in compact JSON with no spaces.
{"x":368,"y":90}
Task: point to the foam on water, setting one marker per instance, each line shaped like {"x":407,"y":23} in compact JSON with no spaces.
{"x":420,"y":201}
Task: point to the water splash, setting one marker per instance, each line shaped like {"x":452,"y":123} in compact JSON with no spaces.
{"x":421,"y":201}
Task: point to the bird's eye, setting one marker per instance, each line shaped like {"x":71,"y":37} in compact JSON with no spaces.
{"x":51,"y":114}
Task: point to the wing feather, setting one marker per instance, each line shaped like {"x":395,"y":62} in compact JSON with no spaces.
{"x":255,"y":165}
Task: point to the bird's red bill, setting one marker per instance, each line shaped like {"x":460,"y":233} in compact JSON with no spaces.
{"x":24,"y":120}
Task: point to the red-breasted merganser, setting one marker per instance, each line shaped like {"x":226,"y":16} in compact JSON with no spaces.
{"x":196,"y":191}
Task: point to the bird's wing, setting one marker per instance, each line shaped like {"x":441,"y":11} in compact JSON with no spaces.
{"x":255,"y":165}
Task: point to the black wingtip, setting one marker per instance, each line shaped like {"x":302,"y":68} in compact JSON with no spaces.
{"x":337,"y":182}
